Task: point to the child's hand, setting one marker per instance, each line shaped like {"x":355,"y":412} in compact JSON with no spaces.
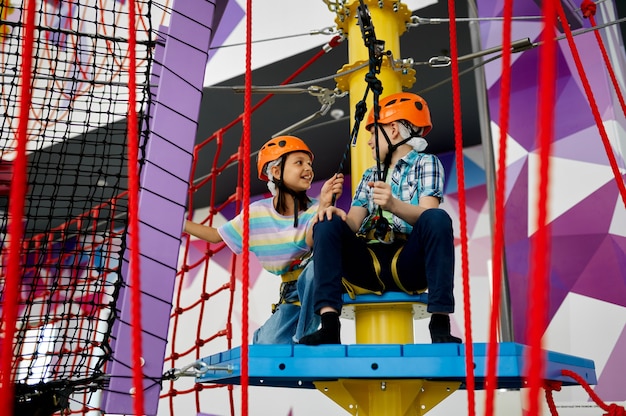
{"x":327,"y":213}
{"x":381,"y":195}
{"x":331,"y":190}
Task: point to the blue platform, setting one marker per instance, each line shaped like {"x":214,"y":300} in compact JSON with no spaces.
{"x":299,"y":365}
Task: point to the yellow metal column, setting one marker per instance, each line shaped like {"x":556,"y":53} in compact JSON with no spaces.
{"x":384,"y":323}
{"x":389,"y":19}
{"x":379,"y":323}
{"x":375,"y":324}
{"x":387,"y":397}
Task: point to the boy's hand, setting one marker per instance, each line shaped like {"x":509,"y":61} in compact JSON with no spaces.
{"x":381,"y":195}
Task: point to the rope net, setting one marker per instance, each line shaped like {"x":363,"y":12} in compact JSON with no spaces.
{"x":76,"y":202}
{"x":218,"y":333}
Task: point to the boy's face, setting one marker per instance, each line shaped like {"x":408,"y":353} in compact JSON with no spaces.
{"x":298,"y":172}
{"x":383,"y":147}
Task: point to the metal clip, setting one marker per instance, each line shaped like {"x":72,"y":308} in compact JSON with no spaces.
{"x":195,"y":369}
{"x":335,"y":6}
{"x":326,"y":97}
{"x":439,"y":61}
{"x":416,"y":21}
{"x":329,"y":30}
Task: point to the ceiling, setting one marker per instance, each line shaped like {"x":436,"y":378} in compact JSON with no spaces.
{"x":328,"y":137}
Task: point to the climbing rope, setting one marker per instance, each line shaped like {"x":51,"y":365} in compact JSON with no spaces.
{"x":245,"y":177}
{"x":540,"y":245}
{"x":550,"y":386}
{"x":588,"y":9}
{"x":16,"y":213}
{"x":460,"y":171}
{"x":133,"y":224}
{"x":498,"y":227}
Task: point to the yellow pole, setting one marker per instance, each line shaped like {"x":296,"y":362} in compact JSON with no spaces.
{"x":384,"y":323}
{"x":381,"y":323}
{"x":389,"y":19}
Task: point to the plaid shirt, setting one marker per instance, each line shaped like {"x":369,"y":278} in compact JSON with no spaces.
{"x":414,"y":176}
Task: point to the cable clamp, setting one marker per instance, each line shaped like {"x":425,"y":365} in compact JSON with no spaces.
{"x":403,"y":64}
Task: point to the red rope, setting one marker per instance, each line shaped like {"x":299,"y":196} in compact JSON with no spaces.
{"x":16,"y":213}
{"x":460,"y":170}
{"x":325,"y":49}
{"x":218,"y":166}
{"x":611,"y":409}
{"x":549,"y":387}
{"x":498,"y":239}
{"x":539,"y":283}
{"x":588,"y":8}
{"x":133,"y":211}
{"x":246,"y":210}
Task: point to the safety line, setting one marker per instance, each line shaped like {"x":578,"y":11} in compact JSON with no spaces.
{"x":245,"y":177}
{"x":460,"y":171}
{"x":589,"y":9}
{"x":540,"y":244}
{"x":498,"y":226}
{"x":16,"y":214}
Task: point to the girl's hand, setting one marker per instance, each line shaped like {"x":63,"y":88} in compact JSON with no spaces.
{"x":332,"y":187}
{"x":327,"y":213}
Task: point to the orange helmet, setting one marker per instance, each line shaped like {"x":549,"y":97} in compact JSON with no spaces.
{"x":402,"y":106}
{"x":277,"y":147}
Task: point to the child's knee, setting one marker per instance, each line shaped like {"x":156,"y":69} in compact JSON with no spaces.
{"x":436,"y":217}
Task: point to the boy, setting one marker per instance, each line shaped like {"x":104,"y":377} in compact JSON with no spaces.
{"x":394,"y":221}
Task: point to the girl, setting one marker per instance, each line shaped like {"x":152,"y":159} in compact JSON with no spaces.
{"x":280,"y":235}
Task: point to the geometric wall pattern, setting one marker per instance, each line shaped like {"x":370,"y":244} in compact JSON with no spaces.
{"x":587,"y":216}
{"x":586,"y":213}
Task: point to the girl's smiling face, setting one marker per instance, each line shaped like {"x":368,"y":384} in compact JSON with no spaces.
{"x":298,"y":171}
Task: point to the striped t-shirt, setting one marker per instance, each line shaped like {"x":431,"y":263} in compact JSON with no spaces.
{"x":273,"y":238}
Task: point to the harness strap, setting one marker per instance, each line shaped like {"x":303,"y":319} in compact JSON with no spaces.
{"x":353,"y":289}
{"x":291,"y":275}
{"x":390,"y":236}
{"x":396,"y":278}
{"x":288,"y":278}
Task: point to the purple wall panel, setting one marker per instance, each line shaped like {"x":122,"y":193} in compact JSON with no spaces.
{"x":163,"y":197}
{"x":164,"y":183}
{"x":169,"y":153}
{"x":166,"y":209}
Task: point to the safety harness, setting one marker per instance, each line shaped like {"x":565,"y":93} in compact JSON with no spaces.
{"x":289,"y":279}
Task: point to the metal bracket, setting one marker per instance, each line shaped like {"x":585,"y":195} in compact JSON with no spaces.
{"x":195,"y":369}
{"x":326,"y":97}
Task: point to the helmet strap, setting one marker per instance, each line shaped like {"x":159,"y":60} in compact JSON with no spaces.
{"x":393,"y":147}
{"x":300,"y":199}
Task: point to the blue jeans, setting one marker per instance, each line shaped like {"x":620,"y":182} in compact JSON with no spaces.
{"x":290,"y":322}
{"x":425,"y":260}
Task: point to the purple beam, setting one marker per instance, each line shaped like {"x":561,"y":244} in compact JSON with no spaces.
{"x":179,"y":75}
